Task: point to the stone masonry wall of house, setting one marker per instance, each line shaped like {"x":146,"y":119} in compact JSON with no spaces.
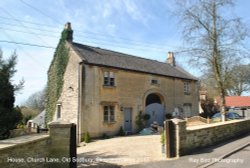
{"x":38,"y":150}
{"x":130,"y":91}
{"x":69,"y":95}
{"x":191,"y":138}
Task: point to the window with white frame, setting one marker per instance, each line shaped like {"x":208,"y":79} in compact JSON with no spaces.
{"x":109,"y":113}
{"x":58,"y":110}
{"x":186,"y":87}
{"x":109,"y":79}
{"x":187,"y":108}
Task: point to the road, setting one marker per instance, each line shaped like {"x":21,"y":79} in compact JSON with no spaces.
{"x":237,"y":160}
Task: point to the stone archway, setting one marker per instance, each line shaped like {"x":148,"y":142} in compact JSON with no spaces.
{"x":154,"y":106}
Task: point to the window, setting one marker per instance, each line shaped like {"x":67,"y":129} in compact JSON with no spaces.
{"x":109,"y":113}
{"x":186,"y":88}
{"x":109,"y":79}
{"x":58,"y":110}
{"x":187,"y":107}
{"x":154,"y":81}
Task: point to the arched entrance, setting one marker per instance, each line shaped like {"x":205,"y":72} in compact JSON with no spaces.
{"x":155,"y":108}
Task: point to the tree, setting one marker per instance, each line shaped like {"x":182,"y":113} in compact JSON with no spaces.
{"x":209,"y":108}
{"x":240,"y":80}
{"x":9,"y":115}
{"x":214,"y":38}
{"x":37,"y":101}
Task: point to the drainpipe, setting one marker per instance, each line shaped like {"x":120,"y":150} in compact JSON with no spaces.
{"x":79,"y":117}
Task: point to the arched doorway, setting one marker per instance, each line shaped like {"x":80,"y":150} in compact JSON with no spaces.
{"x":155,"y":108}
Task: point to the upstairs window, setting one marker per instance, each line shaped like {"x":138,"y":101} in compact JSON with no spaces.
{"x":109,"y":114}
{"x":109,"y":79}
{"x":58,"y":108}
{"x":186,"y":87}
{"x":154,"y":82}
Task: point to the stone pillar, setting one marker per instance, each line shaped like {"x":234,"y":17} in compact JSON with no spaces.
{"x":180,"y":133}
{"x":175,"y":137}
{"x":62,"y":149}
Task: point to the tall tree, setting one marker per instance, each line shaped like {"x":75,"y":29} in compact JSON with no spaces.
{"x":240,"y":80}
{"x":37,"y":101}
{"x":214,"y":38}
{"x":9,"y":115}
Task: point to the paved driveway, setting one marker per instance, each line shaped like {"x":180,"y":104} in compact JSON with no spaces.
{"x":120,"y":151}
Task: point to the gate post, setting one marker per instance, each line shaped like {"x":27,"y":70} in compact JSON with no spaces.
{"x":170,"y":139}
{"x":62,"y":145}
{"x":175,"y":135}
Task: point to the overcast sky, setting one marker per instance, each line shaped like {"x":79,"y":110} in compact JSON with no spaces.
{"x":145,"y":28}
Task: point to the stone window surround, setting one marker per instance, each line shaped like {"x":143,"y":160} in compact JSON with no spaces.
{"x":59,"y":110}
{"x":111,"y":108}
{"x":109,"y":78}
{"x":186,"y":87}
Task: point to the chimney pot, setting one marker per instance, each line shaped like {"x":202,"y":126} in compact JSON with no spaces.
{"x":68,"y":32}
{"x":171,"y":59}
{"x":67,"y":26}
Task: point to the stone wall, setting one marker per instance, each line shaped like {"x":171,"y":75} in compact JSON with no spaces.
{"x":130,"y":91}
{"x":39,"y":150}
{"x":24,"y":154}
{"x":69,"y":96}
{"x":84,"y":82}
{"x":189,"y":139}
{"x":21,"y":132}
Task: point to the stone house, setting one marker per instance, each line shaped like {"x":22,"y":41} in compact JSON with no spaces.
{"x":104,"y":90}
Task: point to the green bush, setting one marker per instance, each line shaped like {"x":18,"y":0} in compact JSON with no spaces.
{"x":168,"y":116}
{"x":163,"y":139}
{"x":87,"y":137}
{"x":121,"y":131}
{"x":146,"y":117}
{"x":105,"y":136}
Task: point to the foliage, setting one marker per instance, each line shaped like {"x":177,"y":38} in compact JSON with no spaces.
{"x":214,"y":39}
{"x":240,"y":80}
{"x":163,"y":137}
{"x":36,"y":101}
{"x":141,"y":119}
{"x":168,"y":116}
{"x":56,"y":74}
{"x":121,"y":131}
{"x":209,"y":108}
{"x":21,"y":126}
{"x":9,"y":115}
{"x":28,"y":113}
{"x":105,"y":136}
{"x":87,"y":137}
{"x":237,"y":84}
{"x":146,"y":117}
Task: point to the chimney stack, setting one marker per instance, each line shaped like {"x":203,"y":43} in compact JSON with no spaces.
{"x":171,"y":59}
{"x":68,"y":32}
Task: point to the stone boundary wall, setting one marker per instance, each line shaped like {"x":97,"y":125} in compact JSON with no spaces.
{"x":40,"y":150}
{"x":189,"y":139}
{"x":23,"y":154}
{"x":21,"y":131}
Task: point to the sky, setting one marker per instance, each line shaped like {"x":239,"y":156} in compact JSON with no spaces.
{"x":145,"y":28}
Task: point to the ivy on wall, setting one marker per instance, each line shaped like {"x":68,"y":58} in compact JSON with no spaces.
{"x":56,"y":74}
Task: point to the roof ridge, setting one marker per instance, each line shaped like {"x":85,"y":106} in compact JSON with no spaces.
{"x":130,"y":55}
{"x":107,"y":57}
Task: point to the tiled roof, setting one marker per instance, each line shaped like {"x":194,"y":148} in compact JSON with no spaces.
{"x":238,"y":101}
{"x":103,"y":57}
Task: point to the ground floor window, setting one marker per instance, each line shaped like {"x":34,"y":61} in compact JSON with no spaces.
{"x":109,"y":113}
{"x":187,"y":107}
